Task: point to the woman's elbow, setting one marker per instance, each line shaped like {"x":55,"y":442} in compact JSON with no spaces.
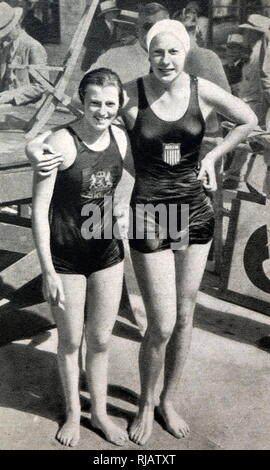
{"x":252,"y":121}
{"x":255,"y":121}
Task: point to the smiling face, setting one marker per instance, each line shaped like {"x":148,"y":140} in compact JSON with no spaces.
{"x":167,"y":57}
{"x":101,"y":106}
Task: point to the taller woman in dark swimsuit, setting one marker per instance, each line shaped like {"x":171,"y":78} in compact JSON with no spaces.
{"x":165,"y":115}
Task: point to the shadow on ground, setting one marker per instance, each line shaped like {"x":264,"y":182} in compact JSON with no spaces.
{"x":27,"y":314}
{"x":30,"y":383}
{"x":238,"y":328}
{"x":231,"y":326}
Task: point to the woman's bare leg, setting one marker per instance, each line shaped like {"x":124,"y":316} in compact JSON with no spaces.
{"x":70,"y":329}
{"x":103,"y":299}
{"x":189,"y":266}
{"x":156,"y":277}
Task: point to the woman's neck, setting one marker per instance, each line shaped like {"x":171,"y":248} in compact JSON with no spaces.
{"x":87,"y":133}
{"x":159,"y":87}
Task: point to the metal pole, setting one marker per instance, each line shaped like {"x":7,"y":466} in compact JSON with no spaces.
{"x":243,"y":11}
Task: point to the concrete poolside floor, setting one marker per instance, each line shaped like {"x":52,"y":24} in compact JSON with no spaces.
{"x":224,"y":393}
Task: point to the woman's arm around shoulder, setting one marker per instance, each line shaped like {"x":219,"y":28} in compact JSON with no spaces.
{"x":129,"y":109}
{"x":63,"y":144}
{"x":46,"y":151}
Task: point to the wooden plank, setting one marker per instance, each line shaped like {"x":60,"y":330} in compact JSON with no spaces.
{"x":12,"y":146}
{"x":14,"y":219}
{"x":16,"y":238}
{"x":13,"y":122}
{"x":64,"y":99}
{"x":31,"y":67}
{"x":24,"y":210}
{"x":19,"y":274}
{"x":15,"y":185}
{"x":49,"y":105}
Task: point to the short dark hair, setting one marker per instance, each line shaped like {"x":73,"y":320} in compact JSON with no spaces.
{"x":152,"y":8}
{"x":101,"y":77}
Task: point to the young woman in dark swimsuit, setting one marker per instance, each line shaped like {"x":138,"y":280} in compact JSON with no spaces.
{"x":82,"y":275}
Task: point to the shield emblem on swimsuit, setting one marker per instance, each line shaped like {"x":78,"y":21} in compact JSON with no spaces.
{"x":171,"y":154}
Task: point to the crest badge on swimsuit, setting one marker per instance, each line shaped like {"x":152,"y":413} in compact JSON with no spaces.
{"x":99,"y":183}
{"x":171,"y":153}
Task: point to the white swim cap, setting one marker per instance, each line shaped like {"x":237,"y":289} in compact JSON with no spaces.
{"x":169,"y":26}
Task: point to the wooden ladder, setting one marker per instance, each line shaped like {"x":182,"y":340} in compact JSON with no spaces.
{"x":56,"y":92}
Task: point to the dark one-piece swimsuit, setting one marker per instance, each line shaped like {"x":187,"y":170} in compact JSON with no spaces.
{"x":91,"y":179}
{"x":167,"y":192}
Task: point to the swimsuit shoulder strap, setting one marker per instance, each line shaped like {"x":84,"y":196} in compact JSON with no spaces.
{"x":194,"y":97}
{"x":194,"y":88}
{"x":142,"y":100}
{"x":120,"y":138}
{"x":76,"y":138}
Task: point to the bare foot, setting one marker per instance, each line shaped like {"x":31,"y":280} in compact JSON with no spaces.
{"x":112,"y":432}
{"x":142,"y":426}
{"x":174,"y":423}
{"x":69,"y":433}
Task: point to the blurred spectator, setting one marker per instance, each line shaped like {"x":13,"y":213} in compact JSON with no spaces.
{"x":200,"y":61}
{"x":126,"y":27}
{"x":31,"y":23}
{"x":254,"y":89}
{"x":102,"y":33}
{"x":263,"y":23}
{"x":235,"y":60}
{"x":204,"y":63}
{"x":131,"y":61}
{"x":257,"y":29}
{"x":16,"y":48}
{"x":256,"y":79}
{"x":191,"y":8}
{"x":149,"y":14}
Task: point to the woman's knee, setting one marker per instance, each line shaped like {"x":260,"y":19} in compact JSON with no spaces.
{"x":98,"y":342}
{"x":184,"y":321}
{"x":69,"y":344}
{"x":160,"y":333}
{"x":186,"y":307}
{"x":187,"y":300}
